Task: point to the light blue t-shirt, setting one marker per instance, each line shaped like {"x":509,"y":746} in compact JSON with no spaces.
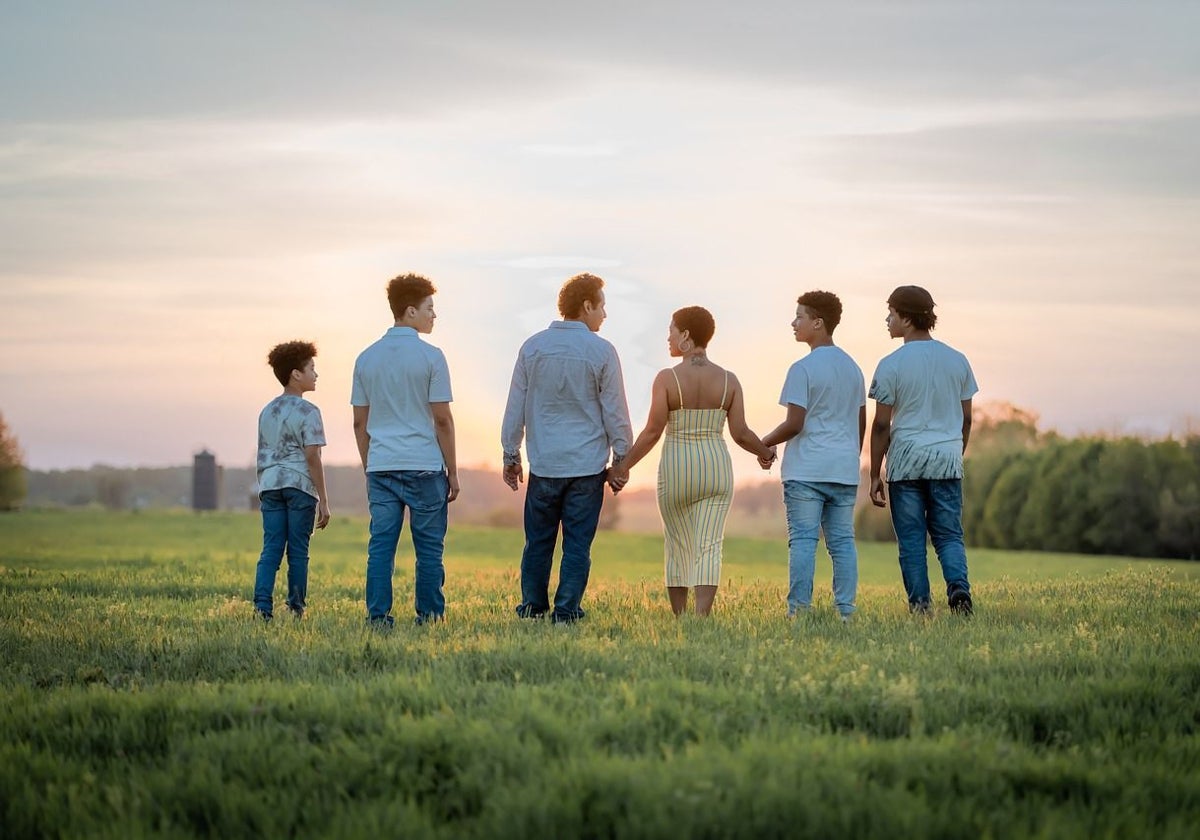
{"x":398,"y":377}
{"x":925,"y":383}
{"x":829,"y":386}
{"x":286,"y":426}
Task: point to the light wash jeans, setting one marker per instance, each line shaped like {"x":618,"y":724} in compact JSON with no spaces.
{"x":574,"y":503}
{"x":288,"y":515}
{"x":425,"y":494}
{"x":932,"y":506}
{"x":816,"y":507}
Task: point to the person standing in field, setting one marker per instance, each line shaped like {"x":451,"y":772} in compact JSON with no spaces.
{"x":826,"y":421}
{"x":291,"y":478}
{"x":567,"y":401}
{"x":405,"y":435}
{"x":692,"y":401}
{"x":922,"y":394}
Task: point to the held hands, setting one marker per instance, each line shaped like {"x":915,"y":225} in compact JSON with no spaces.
{"x":618,"y":477}
{"x":513,"y":476}
{"x":766,"y":463}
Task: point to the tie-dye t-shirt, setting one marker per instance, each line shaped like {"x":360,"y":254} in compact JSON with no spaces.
{"x":285,"y":427}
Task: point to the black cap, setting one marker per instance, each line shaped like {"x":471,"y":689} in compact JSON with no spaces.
{"x":911,"y":299}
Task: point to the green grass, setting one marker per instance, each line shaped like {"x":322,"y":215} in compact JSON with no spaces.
{"x":138,"y":697}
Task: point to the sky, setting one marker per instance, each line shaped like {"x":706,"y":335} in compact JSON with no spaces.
{"x":182,"y":186}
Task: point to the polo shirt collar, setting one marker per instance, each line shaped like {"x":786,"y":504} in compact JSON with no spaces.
{"x":568,"y":325}
{"x":402,"y":331}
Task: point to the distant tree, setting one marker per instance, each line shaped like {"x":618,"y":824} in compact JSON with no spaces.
{"x":1003,"y":427}
{"x":1125,"y":496}
{"x":12,"y":470}
{"x":112,"y":489}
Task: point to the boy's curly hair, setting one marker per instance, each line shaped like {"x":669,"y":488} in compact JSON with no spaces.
{"x":289,"y":356}
{"x":408,"y":290}
{"x":824,"y":305}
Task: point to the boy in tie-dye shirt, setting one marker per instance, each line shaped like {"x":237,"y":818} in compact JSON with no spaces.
{"x":291,"y":478}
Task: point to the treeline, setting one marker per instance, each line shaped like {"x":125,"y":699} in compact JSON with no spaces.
{"x":1025,"y":489}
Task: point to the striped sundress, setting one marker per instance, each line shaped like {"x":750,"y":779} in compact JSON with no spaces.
{"x":695,"y":489}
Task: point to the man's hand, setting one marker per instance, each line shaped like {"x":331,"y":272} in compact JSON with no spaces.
{"x":878,"y":494}
{"x":452,"y":480}
{"x":766,"y":463}
{"x":617,"y":478}
{"x":322,"y":515}
{"x":513,"y":475}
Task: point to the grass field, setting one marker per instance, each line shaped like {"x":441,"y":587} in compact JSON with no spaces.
{"x":138,"y":697}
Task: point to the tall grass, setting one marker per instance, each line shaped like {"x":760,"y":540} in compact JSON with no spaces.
{"x":138,"y":697}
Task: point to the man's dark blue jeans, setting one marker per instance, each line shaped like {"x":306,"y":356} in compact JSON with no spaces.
{"x":932,"y":506}
{"x":573,"y":503}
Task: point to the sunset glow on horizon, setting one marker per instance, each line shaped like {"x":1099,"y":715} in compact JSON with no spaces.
{"x":184,"y":187}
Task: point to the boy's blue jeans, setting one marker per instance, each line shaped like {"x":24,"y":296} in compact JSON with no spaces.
{"x":287,"y":515}
{"x":934,"y":507}
{"x":814,"y":507}
{"x":424,"y":493}
{"x":575,"y":503}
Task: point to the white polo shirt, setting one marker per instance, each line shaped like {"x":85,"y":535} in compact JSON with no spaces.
{"x":398,"y":377}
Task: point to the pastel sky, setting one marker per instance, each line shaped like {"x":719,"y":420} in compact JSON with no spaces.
{"x":184,"y":185}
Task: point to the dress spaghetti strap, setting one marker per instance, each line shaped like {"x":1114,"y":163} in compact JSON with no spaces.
{"x":678,"y":387}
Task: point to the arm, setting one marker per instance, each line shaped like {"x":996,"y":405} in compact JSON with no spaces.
{"x":512,"y":427}
{"x":966,"y":404}
{"x":443,"y":425}
{"x":881,"y":437}
{"x":615,"y":408}
{"x":656,"y":421}
{"x":361,"y":436}
{"x":316,"y":471}
{"x":862,"y":425}
{"x":791,"y":426}
{"x":742,"y":434}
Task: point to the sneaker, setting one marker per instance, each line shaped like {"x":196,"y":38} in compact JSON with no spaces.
{"x":296,"y":613}
{"x":428,"y":618}
{"x":960,"y":602}
{"x":920,"y":608}
{"x":382,"y":624}
{"x":529,"y":611}
{"x":262,"y":615}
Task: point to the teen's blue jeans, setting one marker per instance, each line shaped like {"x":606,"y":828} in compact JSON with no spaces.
{"x":575,"y":504}
{"x":933,"y":507}
{"x":815,"y":507}
{"x":424,"y":493}
{"x":287,"y":516}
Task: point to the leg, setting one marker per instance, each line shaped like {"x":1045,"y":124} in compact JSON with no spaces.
{"x":704,"y":598}
{"x":908,"y":519}
{"x":387,"y":518}
{"x":581,"y":503}
{"x":274,"y":519}
{"x":803,"y":505}
{"x":301,"y":513}
{"x":425,"y":494}
{"x":678,"y":596}
{"x":543,"y":511}
{"x":945,"y":530}
{"x":837,"y":524}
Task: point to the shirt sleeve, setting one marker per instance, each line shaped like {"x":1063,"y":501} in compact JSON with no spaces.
{"x":614,"y":406}
{"x":312,"y":429}
{"x":882,"y":387}
{"x":970,"y":388}
{"x":512,"y":427}
{"x":439,"y":380}
{"x":795,"y":387}
{"x":358,"y":391}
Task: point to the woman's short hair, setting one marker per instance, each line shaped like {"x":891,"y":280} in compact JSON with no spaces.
{"x":697,"y":321}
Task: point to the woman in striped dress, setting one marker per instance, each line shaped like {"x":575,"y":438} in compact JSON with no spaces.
{"x":691,"y":402}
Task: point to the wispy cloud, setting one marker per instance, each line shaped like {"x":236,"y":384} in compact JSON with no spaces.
{"x":588,"y":150}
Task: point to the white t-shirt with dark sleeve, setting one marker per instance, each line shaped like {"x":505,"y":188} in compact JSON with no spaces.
{"x":925,"y":383}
